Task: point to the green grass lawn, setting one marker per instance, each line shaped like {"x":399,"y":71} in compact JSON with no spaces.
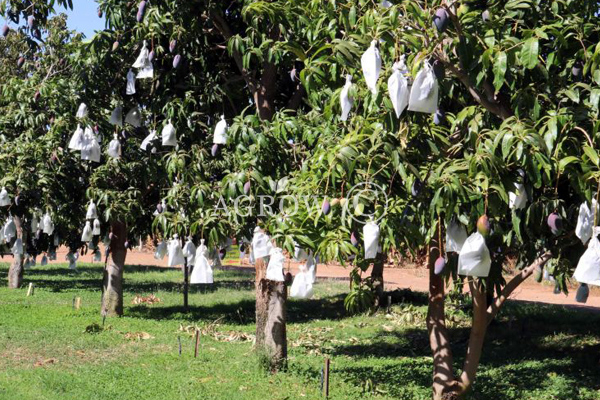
{"x":46,"y":353}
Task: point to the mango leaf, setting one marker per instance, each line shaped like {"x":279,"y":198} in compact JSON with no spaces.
{"x":499,"y":70}
{"x":529,"y":53}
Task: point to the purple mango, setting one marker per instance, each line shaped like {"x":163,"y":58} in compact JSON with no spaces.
{"x":485,"y":15}
{"x":555,"y":223}
{"x":439,"y":70}
{"x":20,"y":62}
{"x":416,"y":188}
{"x":215,"y":150}
{"x":115,"y":45}
{"x":582,"y":293}
{"x":176,"y":61}
{"x":159,"y":208}
{"x":5,"y":30}
{"x":36,"y":96}
{"x":151,"y":56}
{"x":439,"y":266}
{"x":325,"y":207}
{"x":172,"y":45}
{"x":441,"y":19}
{"x":141,"y":11}
{"x":100,"y":13}
{"x":577,"y":71}
{"x":439,"y":117}
{"x":247,"y":187}
{"x":353,"y":239}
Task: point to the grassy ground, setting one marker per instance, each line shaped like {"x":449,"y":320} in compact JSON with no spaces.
{"x":50,"y":351}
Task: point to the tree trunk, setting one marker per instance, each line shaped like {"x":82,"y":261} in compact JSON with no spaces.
{"x":112,"y":286}
{"x":377,"y":279}
{"x":271,"y":338}
{"x":478,"y":331}
{"x":444,"y":384}
{"x":262,"y":301}
{"x":275,"y":329}
{"x":15,"y":273}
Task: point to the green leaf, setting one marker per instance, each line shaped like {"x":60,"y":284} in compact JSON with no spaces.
{"x":592,"y":154}
{"x":529,"y":53}
{"x":499,"y":70}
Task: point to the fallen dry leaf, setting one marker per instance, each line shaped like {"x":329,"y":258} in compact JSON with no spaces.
{"x":43,"y":363}
{"x":138,"y":336}
{"x":152,"y":299}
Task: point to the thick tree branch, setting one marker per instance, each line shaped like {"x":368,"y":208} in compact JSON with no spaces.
{"x":514,"y":283}
{"x":491,"y":105}
{"x":487,"y":100}
{"x":226,"y":32}
{"x":476,"y":339}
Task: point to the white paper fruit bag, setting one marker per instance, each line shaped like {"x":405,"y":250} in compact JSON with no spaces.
{"x":456,"y":235}
{"x":371,"y":66}
{"x":346,"y":100}
{"x":202,"y":273}
{"x":275,"y":267}
{"x":398,"y":87}
{"x":588,"y":267}
{"x":424,"y":92}
{"x":474,"y":258}
{"x":302,"y":287}
{"x":371,"y":239}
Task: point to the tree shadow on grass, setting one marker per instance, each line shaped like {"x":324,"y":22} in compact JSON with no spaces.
{"x":545,"y":348}
{"x":242,"y":312}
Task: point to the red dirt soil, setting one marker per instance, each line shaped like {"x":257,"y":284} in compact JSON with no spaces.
{"x":412,"y":278}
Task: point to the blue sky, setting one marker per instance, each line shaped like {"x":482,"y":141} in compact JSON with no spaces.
{"x":84,"y":17}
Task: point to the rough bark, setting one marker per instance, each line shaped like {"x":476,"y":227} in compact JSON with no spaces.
{"x":514,"y":283}
{"x":15,"y":273}
{"x":112,"y":285}
{"x":275,"y":329}
{"x":444,"y":385}
{"x":377,"y":279}
{"x":476,"y":339}
{"x":271,"y":338}
{"x":262,"y":302}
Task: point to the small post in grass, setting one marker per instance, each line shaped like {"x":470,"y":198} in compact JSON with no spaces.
{"x":30,"y":290}
{"x":327,"y":364}
{"x":197,"y":343}
{"x":179,"y":340}
{"x":389,"y":304}
{"x":77,"y":303}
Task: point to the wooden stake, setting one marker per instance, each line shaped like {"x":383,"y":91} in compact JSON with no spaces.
{"x":327,"y":364}
{"x":30,"y":290}
{"x":197,"y":343}
{"x":179,"y":340}
{"x":77,"y":303}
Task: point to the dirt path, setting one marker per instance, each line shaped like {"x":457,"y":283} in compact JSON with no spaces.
{"x":411,"y":278}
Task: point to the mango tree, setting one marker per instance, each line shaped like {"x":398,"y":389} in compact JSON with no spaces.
{"x":40,"y":176}
{"x":518,"y":105}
